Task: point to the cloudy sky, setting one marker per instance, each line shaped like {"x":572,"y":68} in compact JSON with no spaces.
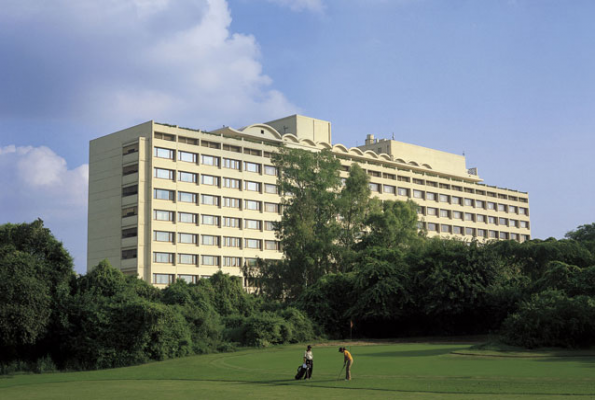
{"x":509,"y":83}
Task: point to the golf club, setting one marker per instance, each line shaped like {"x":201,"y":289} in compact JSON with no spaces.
{"x":340,"y":372}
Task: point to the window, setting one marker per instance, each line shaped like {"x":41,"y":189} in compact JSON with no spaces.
{"x":164,"y":173}
{"x":431,"y":196}
{"x":231,"y":183}
{"x":189,"y":218}
{"x":502,"y":207}
{"x":230,"y":202}
{"x":209,"y":260}
{"x":187,"y":177}
{"x":232,"y":222}
{"x":504,"y":235}
{"x":269,"y":226}
{"x":524,"y":224}
{"x":522,"y":211}
{"x":130,"y":169}
{"x":163,"y":153}
{"x":187,"y":197}
{"x":252,"y":224}
{"x":163,"y":279}
{"x":418,"y":194}
{"x":491,"y":220}
{"x":445,"y":228}
{"x":209,"y":180}
{"x":271,"y":245}
{"x":468,"y":217}
{"x":251,"y":262}
{"x":389,"y":176}
{"x":163,"y":257}
{"x":444,"y":213}
{"x":187,"y":157}
{"x":252,"y":205}
{"x":129,"y":254}
{"x":512,"y":209}
{"x":253,"y":152}
{"x":234,"y":149}
{"x":432,"y":227}
{"x":479,"y":204}
{"x":209,"y":220}
{"x":131,"y":148}
{"x":187,"y":140}
{"x":271,"y":207}
{"x":165,"y":136}
{"x":469,"y":231}
{"x":128,"y":233}
{"x":481,"y":233}
{"x":187,"y":259}
{"x":161,"y":236}
{"x":457,"y":215}
{"x":231,"y":164}
{"x":252,"y":186}
{"x":493,"y":234}
{"x":129,"y":211}
{"x":502,"y":221}
{"x":455,"y":200}
{"x":209,"y":200}
{"x":389,"y":189}
{"x":188,"y":278}
{"x":209,"y":160}
{"x":374,"y":187}
{"x":491,"y":206}
{"x":162,"y":194}
{"x":433,"y":211}
{"x":209,"y":240}
{"x":253,"y":243}
{"x":421,"y":210}
{"x":272,"y":189}
{"x":481,"y":218}
{"x":457,"y":230}
{"x":403,"y":192}
{"x":443,"y":198}
{"x":514,"y":236}
{"x":512,"y":223}
{"x":187,"y":238}
{"x":251,"y":167}
{"x":232,"y":242}
{"x":129,"y":190}
{"x":468,"y":202}
{"x":232,"y":261}
{"x":160,"y":215}
{"x":270,"y":170}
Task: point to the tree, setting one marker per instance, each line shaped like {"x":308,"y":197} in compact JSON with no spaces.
{"x":393,"y":225}
{"x":584,"y":234}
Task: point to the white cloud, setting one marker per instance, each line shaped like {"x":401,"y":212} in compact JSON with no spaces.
{"x":316,"y":6}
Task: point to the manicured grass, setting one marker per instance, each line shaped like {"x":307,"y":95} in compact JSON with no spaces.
{"x":404,"y":371}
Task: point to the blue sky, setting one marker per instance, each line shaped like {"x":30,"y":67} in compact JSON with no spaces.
{"x":510,"y":83}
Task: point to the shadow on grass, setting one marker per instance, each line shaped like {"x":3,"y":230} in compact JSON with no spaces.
{"x":415,"y":353}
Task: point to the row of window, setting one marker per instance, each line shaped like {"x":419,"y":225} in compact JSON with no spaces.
{"x":203,"y":260}
{"x":212,"y":200}
{"x":214,"y":240}
{"x":211,"y":180}
{"x":214,"y":161}
{"x":486,"y":219}
{"x":475,"y":232}
{"x":212,"y":220}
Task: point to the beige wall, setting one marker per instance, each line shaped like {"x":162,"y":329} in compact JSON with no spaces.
{"x":312,"y":129}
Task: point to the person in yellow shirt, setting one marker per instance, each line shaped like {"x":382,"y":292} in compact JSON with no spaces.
{"x":347,"y":362}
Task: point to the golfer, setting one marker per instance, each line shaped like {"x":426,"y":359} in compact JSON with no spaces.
{"x":347,"y":362}
{"x":309,"y":361}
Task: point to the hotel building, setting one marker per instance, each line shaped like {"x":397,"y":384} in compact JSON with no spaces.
{"x":168,"y":203}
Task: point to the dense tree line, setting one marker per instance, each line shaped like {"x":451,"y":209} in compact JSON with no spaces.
{"x":52,"y":319}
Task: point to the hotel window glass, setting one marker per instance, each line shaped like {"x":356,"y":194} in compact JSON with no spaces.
{"x":457,"y":230}
{"x":251,"y":167}
{"x":129,"y":211}
{"x":432,"y":227}
{"x":250,"y":262}
{"x":445,"y":228}
{"x":479,"y":204}
{"x":252,"y":205}
{"x":418,"y":194}
{"x":187,"y":258}
{"x":231,"y":164}
{"x":445,"y":213}
{"x":491,"y":220}
{"x":524,"y":224}
{"x":189,"y":218}
{"x":187,"y":156}
{"x":403,"y":192}
{"x":209,"y":200}
{"x":166,"y":258}
{"x":512,"y":223}
{"x":491,"y":206}
{"x":272,"y":189}
{"x":512,"y":209}
{"x":271,"y":207}
{"x":421,"y":210}
{"x":209,"y":180}
{"x":270,"y":170}
{"x":187,"y":238}
{"x":431,"y":211}
{"x":481,"y":218}
{"x":504,"y":235}
{"x":164,"y":173}
{"x":468,"y":217}
{"x":209,"y":240}
{"x":209,"y":220}
{"x":188,"y":278}
{"x":252,"y":224}
{"x":160,"y":236}
{"x":232,"y":262}
{"x":232,"y":222}
{"x":187,"y":177}
{"x":231,"y":183}
{"x":130,"y":232}
{"x":443,"y":198}
{"x":162,"y":194}
{"x":455,"y":200}
{"x":129,"y":254}
{"x":524,"y":238}
{"x":231,"y":202}
{"x":469,"y":231}
{"x":481,"y":233}
{"x":131,"y":148}
{"x":165,"y":136}
{"x":269,"y":226}
{"x":163,"y":279}
{"x":234,"y":149}
{"x":502,"y":221}
{"x":252,"y":186}
{"x":457,"y":215}
{"x":252,"y":152}
{"x":210,"y":260}
{"x":514,"y":236}
{"x":187,"y":197}
{"x":163,"y":153}
{"x":271,"y":245}
{"x":209,"y":160}
{"x":129,"y":190}
{"x":522,"y":211}
{"x":469,"y":202}
{"x":374,"y":187}
{"x":431,"y":196}
{"x":493,"y":235}
{"x":232,"y":242}
{"x":160,"y":215}
{"x":389,"y":189}
{"x":253,"y":243}
{"x":502,"y":207}
{"x":130,"y":169}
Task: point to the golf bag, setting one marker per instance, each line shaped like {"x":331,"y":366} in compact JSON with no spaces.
{"x":300,"y":372}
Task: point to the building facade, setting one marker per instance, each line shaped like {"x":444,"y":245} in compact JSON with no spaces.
{"x":168,"y":203}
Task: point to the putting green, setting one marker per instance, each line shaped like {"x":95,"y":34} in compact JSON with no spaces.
{"x":404,"y":371}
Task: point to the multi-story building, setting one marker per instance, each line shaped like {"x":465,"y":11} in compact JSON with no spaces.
{"x":167,"y":202}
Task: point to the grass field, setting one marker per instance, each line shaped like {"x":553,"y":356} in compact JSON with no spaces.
{"x":402,"y":370}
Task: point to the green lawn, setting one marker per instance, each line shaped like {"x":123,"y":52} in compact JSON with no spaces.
{"x":404,"y":371}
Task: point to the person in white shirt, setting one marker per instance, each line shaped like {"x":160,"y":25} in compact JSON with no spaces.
{"x":309,"y":361}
